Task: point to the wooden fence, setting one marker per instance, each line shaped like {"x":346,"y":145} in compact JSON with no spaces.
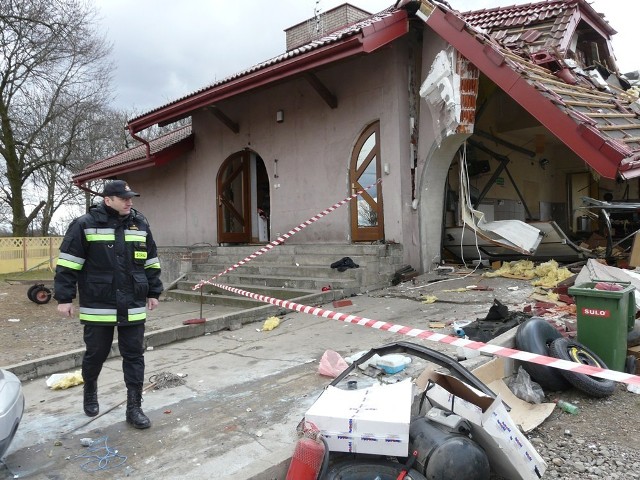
{"x":20,"y":254}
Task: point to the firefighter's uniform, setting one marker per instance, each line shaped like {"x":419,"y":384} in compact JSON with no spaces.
{"x":113,"y":261}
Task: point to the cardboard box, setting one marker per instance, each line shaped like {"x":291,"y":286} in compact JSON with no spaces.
{"x":371,"y":420}
{"x":525,"y":415}
{"x":510,"y":453}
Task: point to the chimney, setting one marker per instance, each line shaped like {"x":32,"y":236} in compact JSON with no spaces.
{"x":323,"y":24}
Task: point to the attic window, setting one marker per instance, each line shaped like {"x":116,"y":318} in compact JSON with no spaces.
{"x":591,"y":48}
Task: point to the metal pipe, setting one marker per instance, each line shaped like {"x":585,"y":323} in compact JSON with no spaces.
{"x":141,"y":140}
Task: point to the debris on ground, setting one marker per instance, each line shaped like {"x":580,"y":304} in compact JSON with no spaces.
{"x":497,"y":321}
{"x":270,"y":323}
{"x":393,"y":363}
{"x":344,"y":263}
{"x":404,"y":274}
{"x":427,"y":299}
{"x":547,"y":274}
{"x":62,"y":381}
{"x":164,"y":380}
{"x":332,"y":364}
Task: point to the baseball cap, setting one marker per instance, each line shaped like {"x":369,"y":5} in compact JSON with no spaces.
{"x":118,"y":188}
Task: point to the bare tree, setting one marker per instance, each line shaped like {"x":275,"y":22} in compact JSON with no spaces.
{"x":55,"y":75}
{"x":100,"y":134}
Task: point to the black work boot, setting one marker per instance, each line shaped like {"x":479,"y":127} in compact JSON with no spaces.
{"x":135,"y":415}
{"x":91,"y":407}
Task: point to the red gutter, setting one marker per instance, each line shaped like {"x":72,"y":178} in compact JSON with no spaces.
{"x":371,"y":38}
{"x":141,"y":140}
{"x":586,"y":141}
{"x":79,"y":181}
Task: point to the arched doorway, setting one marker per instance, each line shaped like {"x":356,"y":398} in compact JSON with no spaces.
{"x":243,"y":201}
{"x":367,"y":220}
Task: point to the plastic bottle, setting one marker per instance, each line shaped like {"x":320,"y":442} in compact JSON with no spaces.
{"x":567,"y":407}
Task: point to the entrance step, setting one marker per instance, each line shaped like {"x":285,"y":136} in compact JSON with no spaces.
{"x":286,"y":272}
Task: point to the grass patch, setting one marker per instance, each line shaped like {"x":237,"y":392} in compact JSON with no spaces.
{"x":31,"y":275}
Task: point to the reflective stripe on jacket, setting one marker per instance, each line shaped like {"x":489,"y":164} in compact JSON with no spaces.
{"x":113,"y":263}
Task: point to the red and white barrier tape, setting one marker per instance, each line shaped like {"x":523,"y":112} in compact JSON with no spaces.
{"x":441,"y":338}
{"x":409,"y":331}
{"x":289,"y":234}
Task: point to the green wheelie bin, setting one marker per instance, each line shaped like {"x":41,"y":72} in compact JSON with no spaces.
{"x":604,"y":319}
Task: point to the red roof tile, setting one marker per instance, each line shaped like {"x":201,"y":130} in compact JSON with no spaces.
{"x":547,"y":21}
{"x":333,"y":38}
{"x":125,"y":158}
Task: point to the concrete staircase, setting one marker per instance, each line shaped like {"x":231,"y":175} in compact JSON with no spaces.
{"x":287,"y":272}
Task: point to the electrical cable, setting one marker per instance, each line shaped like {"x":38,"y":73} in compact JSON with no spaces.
{"x":464,"y":180}
{"x":167,"y":380}
{"x":100,"y":456}
{"x":464,"y":185}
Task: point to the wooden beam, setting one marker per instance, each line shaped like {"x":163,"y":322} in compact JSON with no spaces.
{"x":322,"y":90}
{"x":216,"y":112}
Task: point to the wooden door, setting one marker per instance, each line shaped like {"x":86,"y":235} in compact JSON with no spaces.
{"x":367,"y":222}
{"x":234,"y":201}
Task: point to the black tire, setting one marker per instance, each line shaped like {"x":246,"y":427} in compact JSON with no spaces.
{"x":369,"y":469}
{"x":31,"y":289}
{"x":630,"y":365}
{"x":41,"y":295}
{"x":535,"y":335}
{"x":574,"y":351}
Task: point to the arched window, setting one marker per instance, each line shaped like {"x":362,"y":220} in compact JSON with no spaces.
{"x":366,"y":210}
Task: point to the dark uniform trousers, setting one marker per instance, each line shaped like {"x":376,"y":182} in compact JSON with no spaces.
{"x":98,"y":339}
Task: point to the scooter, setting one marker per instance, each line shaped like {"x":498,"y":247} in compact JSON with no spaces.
{"x":439,"y":441}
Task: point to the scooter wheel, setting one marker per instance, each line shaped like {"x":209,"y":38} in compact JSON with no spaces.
{"x":32,"y":288}
{"x":41,"y":295}
{"x":368,"y":469}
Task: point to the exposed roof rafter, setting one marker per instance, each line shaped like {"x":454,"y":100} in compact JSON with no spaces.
{"x":322,"y":90}
{"x":220,"y":115}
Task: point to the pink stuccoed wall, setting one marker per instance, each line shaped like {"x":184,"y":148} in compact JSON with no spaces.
{"x":313,"y":147}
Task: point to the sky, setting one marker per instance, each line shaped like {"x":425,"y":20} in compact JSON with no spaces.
{"x":164,"y":49}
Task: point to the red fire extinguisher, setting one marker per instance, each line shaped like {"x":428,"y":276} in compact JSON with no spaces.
{"x":306,"y":461}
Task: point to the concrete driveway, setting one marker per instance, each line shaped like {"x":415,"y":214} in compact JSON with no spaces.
{"x":236,"y":415}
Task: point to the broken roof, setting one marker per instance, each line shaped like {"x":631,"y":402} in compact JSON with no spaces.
{"x":595,"y":120}
{"x":540,"y":25}
{"x":598,"y":122}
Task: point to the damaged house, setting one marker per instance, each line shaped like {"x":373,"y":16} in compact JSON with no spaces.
{"x":483,"y":128}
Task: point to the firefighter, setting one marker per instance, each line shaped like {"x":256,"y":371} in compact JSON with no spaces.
{"x":110,"y":256}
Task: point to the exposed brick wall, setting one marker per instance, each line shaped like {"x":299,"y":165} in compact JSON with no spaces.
{"x":198,"y":258}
